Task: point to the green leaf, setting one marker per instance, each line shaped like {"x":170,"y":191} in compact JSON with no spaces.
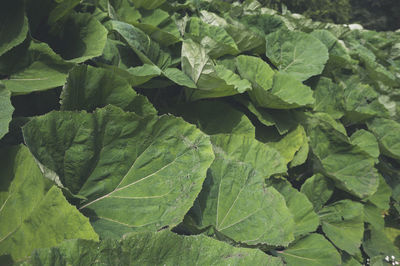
{"x":329,"y":98}
{"x":291,"y":143}
{"x":88,"y":88}
{"x":147,"y":50}
{"x":351,"y":168}
{"x":132,"y":173}
{"x":258,"y":72}
{"x":361,"y":102}
{"x":34,"y":214}
{"x":161,"y":248}
{"x":14,"y":25}
{"x":245,"y":39}
{"x":273,"y":90}
{"x":366,"y":141}
{"x":338,"y":53}
{"x":376,"y":243}
{"x":386,"y":132}
{"x":44,"y":70}
{"x":374,"y":216}
{"x":296,"y":53}
{"x":215,"y":117}
{"x":78,"y":38}
{"x":305,"y":219}
{"x":216,"y":41}
{"x":147,"y":4}
{"x":235,"y":199}
{"x":343,"y":224}
{"x":141,"y":74}
{"x":6,"y":110}
{"x":211,"y":80}
{"x":262,"y":23}
{"x":283,"y":120}
{"x":381,"y":198}
{"x":178,"y":77}
{"x":318,"y":190}
{"x":312,"y":250}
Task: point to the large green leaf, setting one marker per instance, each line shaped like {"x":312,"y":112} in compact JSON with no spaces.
{"x":132,"y":173}
{"x":377,"y":244}
{"x":156,"y":23}
{"x":235,"y":199}
{"x":283,"y":120}
{"x":211,"y":80}
{"x":386,"y":131}
{"x":318,"y":190}
{"x":337,"y":158}
{"x":42,"y":70}
{"x":381,"y":198}
{"x":366,"y":141}
{"x":273,"y":90}
{"x":215,"y":117}
{"x":147,"y":50}
{"x":329,"y":98}
{"x":361,"y":101}
{"x":14,"y":25}
{"x":343,"y":224}
{"x":245,"y":39}
{"x":306,"y":220}
{"x":258,"y":72}
{"x":88,"y":88}
{"x":78,"y":37}
{"x":214,"y":39}
{"x":292,"y":144}
{"x":312,"y":250}
{"x":148,"y":4}
{"x":161,"y":248}
{"x":297,"y":53}
{"x":34,"y":214}
{"x":6,"y":110}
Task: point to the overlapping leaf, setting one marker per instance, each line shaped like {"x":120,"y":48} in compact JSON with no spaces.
{"x":34,"y":213}
{"x":235,"y":199}
{"x":133,"y":173}
{"x":162,"y":248}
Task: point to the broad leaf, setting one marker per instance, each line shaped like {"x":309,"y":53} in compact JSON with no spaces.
{"x":351,"y":168}
{"x":132,"y":173}
{"x":161,"y":248}
{"x":88,"y":88}
{"x":14,"y":25}
{"x":343,"y":224}
{"x":312,"y":250}
{"x":376,"y":243}
{"x":78,"y":37}
{"x":305,"y":219}
{"x":235,"y":199}
{"x":6,"y":110}
{"x":297,"y":53}
{"x":329,"y":98}
{"x":245,"y":40}
{"x":43,"y":70}
{"x":318,"y":190}
{"x":366,"y":141}
{"x":212,"y":80}
{"x":291,"y":144}
{"x":214,"y":39}
{"x":147,"y":50}
{"x":148,"y":4}
{"x":270,"y":89}
{"x":215,"y":117}
{"x":386,"y":132}
{"x":34,"y":213}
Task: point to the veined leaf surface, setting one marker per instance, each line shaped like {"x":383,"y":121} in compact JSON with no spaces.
{"x":134,"y":173}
